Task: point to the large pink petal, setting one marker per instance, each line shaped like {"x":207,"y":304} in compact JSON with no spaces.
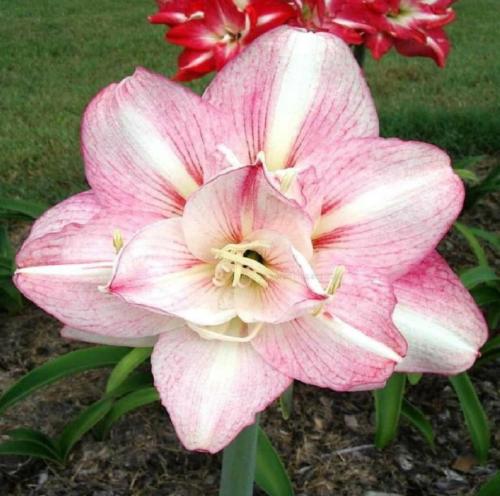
{"x":439,"y":319}
{"x":68,"y":255}
{"x":326,"y":352}
{"x":157,"y":271}
{"x":148,"y":142}
{"x":292,"y":291}
{"x":386,"y":204}
{"x":236,"y":203}
{"x":212,"y":389}
{"x":291,"y":91}
{"x":351,"y":345}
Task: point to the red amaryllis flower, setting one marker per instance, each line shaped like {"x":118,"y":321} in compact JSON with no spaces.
{"x":413,"y":27}
{"x":213,"y":32}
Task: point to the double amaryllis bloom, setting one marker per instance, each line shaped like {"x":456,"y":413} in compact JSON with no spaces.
{"x":258,"y":234}
{"x":213,"y":32}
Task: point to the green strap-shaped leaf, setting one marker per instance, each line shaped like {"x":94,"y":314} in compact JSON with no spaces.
{"x":238,"y":464}
{"x":484,"y":295}
{"x":388,"y":403}
{"x":474,"y":244}
{"x":64,"y":366}
{"x":492,"y":238}
{"x":10,"y":297}
{"x":286,"y":402}
{"x":20,"y":209}
{"x":78,"y":427}
{"x":136,"y":380}
{"x":492,"y":487}
{"x":418,"y":419}
{"x":270,"y":473}
{"x":23,"y":434}
{"x":127,"y":365}
{"x":490,"y":351}
{"x":475,"y":417}
{"x":414,"y":378}
{"x":478,"y":275}
{"x":132,"y":401}
{"x":27,"y":448}
{"x":6,"y":251}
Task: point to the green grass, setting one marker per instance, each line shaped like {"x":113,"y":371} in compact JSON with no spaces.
{"x":54,"y":56}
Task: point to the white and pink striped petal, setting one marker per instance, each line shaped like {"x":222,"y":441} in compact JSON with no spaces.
{"x":212,"y":389}
{"x":291,"y":91}
{"x":69,"y":255}
{"x":157,"y":271}
{"x":439,"y":319}
{"x":236,"y":203}
{"x":386,"y":203}
{"x":147,"y":143}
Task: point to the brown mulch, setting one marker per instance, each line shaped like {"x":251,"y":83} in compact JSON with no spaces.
{"x":327,"y":445}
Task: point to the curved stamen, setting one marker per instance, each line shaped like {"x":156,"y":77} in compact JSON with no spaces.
{"x":241,"y":260}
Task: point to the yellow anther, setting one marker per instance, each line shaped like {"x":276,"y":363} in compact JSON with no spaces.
{"x":333,"y":286}
{"x":335,"y":280}
{"x":117,"y":240}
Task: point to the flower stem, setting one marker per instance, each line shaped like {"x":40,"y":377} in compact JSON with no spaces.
{"x":238,"y":463}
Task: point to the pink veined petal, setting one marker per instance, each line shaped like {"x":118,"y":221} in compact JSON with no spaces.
{"x":439,"y":319}
{"x":157,"y":271}
{"x":351,"y":345}
{"x":289,"y":92}
{"x":326,"y":352}
{"x":293,"y":290}
{"x":91,"y":337}
{"x":63,"y":262}
{"x":147,"y":143}
{"x":236,"y":203}
{"x":386,"y":204}
{"x":212,"y":389}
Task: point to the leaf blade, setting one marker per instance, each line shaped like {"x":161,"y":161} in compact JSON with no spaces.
{"x":474,"y":414}
{"x":58,"y":368}
{"x":270,"y":473}
{"x":418,"y":419}
{"x":388,"y":403}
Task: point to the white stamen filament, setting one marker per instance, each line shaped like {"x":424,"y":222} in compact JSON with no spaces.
{"x":233,"y":264}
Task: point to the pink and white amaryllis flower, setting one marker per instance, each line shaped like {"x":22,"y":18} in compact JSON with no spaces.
{"x":264,"y":233}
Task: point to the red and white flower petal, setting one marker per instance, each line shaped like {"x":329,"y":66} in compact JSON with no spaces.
{"x":387,"y":203}
{"x":62,"y":264}
{"x":290,"y":91}
{"x":439,"y":319}
{"x":156,"y":270}
{"x":326,"y":352}
{"x":212,"y":389}
{"x":193,"y":64}
{"x":436,"y":46}
{"x":147,"y":143}
{"x":292,"y":291}
{"x":236,"y":203}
